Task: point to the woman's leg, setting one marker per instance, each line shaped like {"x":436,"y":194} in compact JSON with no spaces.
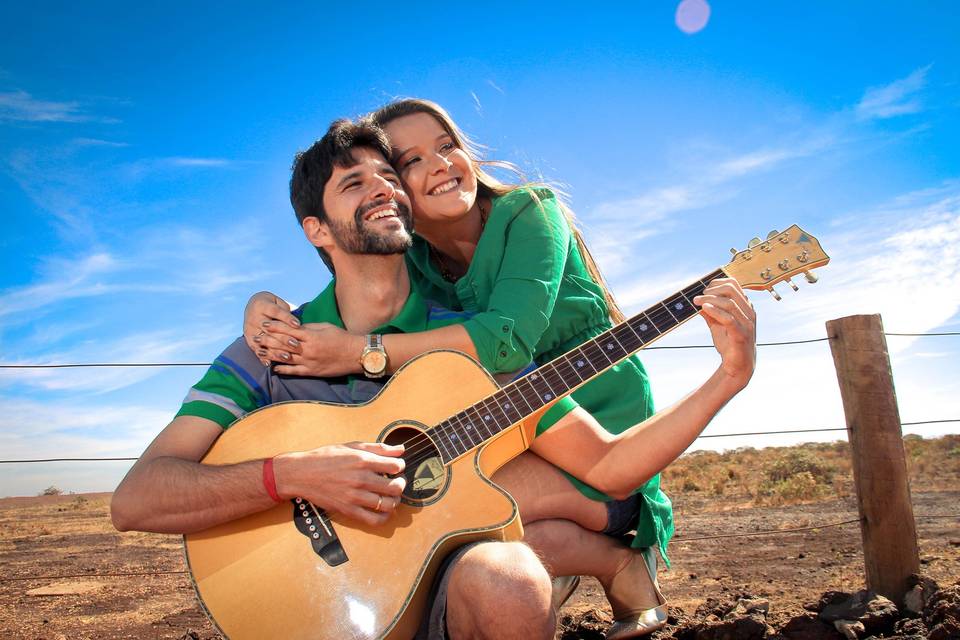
{"x":562,"y":526}
{"x":544,"y":493}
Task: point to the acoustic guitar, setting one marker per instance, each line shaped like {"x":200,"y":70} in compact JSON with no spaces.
{"x":293,"y":571}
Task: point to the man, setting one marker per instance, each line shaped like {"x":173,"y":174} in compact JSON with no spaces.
{"x":361,"y":229}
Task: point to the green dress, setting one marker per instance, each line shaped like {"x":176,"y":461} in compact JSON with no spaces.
{"x":532,"y":299}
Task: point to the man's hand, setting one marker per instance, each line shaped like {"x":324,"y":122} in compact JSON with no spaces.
{"x":262,"y":310}
{"x":733,"y":326}
{"x":350,"y":479}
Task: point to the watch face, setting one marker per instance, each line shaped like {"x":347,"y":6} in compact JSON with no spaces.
{"x":374,"y":361}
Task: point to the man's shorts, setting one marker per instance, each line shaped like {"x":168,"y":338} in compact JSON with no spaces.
{"x":434,"y":624}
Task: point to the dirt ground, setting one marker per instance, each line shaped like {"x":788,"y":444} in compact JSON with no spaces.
{"x":46,"y":537}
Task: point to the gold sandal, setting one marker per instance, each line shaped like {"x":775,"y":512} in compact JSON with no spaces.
{"x":563,"y":588}
{"x":629,"y":621}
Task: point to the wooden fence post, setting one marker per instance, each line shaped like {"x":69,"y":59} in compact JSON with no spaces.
{"x":879,"y":464}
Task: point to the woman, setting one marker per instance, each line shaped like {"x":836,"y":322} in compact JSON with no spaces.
{"x":511,"y":259}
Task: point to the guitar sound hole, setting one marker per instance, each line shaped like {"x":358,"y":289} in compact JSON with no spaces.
{"x":426,"y":476}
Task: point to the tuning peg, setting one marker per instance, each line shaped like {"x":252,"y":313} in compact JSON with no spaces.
{"x":733,"y":251}
{"x":776,"y":296}
{"x":791,"y":283}
{"x":754,"y":242}
{"x":810,"y":277}
{"x":772,"y":234}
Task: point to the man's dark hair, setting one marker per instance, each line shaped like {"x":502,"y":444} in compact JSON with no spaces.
{"x":312,"y":168}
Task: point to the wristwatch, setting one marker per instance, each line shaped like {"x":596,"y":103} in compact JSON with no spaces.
{"x":373,"y":358}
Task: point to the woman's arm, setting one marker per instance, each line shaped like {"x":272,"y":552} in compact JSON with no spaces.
{"x":616,"y":465}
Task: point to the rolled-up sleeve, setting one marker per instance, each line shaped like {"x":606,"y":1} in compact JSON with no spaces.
{"x":525,"y":291}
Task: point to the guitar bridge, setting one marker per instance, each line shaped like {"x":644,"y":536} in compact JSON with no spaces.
{"x":315,"y":524}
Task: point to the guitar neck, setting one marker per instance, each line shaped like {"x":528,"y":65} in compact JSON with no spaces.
{"x":480,"y":422}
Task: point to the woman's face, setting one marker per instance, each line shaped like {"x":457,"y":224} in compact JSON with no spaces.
{"x":437,"y":174}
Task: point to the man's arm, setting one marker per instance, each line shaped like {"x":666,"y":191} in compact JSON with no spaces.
{"x":169,"y":491}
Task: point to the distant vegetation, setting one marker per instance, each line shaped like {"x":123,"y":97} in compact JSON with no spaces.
{"x":807,"y":472}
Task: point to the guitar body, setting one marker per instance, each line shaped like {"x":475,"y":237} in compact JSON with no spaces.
{"x":261,"y":577}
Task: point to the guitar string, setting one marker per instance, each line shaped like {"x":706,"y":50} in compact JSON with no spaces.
{"x":656,"y":316}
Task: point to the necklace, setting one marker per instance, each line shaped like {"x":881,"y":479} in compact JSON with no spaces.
{"x":441,"y":261}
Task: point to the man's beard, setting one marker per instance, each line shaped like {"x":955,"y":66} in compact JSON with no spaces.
{"x":355,"y":238}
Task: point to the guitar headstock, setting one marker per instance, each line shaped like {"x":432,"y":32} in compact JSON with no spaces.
{"x":782,"y":255}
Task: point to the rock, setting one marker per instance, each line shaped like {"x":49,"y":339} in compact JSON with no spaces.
{"x":913,"y":600}
{"x":808,"y":627}
{"x":942,"y":613}
{"x":948,"y":630}
{"x":745,"y":628}
{"x":849,"y":628}
{"x":875,"y":612}
{"x":748,"y":606}
{"x":589,"y":625}
{"x":910,"y":628}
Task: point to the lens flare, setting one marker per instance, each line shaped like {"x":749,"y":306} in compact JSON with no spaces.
{"x":692,"y":15}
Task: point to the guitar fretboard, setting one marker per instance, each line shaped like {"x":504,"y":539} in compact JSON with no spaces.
{"x":480,"y":422}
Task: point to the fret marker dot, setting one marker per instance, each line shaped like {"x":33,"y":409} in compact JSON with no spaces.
{"x":644,"y":327}
{"x":533,"y":377}
{"x":506,"y":406}
{"x":547,"y":396}
{"x":579,"y":363}
{"x":678,"y":306}
{"x":487,"y":417}
{"x":609,"y":346}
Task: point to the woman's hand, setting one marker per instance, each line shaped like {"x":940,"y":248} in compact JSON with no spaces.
{"x":733,"y":326}
{"x":264,"y":308}
{"x":316,"y":349}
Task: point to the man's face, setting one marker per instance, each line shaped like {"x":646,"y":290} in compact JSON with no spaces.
{"x":367,"y":209}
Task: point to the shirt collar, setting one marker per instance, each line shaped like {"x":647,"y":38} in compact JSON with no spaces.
{"x":412,"y":317}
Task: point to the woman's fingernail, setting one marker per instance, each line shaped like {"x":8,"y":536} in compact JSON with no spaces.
{"x":295,"y":322}
{"x":256,"y":338}
{"x":292,"y":342}
{"x":284,"y":355}
{"x":265,"y":323}
{"x":262,"y":353}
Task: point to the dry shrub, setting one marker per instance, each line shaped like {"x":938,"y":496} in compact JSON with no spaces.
{"x":774,"y":474}
{"x":798,"y":475}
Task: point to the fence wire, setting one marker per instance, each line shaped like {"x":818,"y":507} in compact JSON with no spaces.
{"x":207,"y":364}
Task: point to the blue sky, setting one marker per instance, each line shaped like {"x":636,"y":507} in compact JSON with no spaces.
{"x":145,"y":151}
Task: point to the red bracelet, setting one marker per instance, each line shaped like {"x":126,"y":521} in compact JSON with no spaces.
{"x":270,"y":480}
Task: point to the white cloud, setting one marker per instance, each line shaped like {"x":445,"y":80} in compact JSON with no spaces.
{"x":68,"y":279}
{"x":21,"y":106}
{"x":195,"y":162}
{"x":619,"y":229}
{"x":96,"y":142}
{"x":163,"y":260}
{"x":895,"y":99}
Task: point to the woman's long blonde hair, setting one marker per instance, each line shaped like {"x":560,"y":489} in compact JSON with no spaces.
{"x":488,"y":186}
